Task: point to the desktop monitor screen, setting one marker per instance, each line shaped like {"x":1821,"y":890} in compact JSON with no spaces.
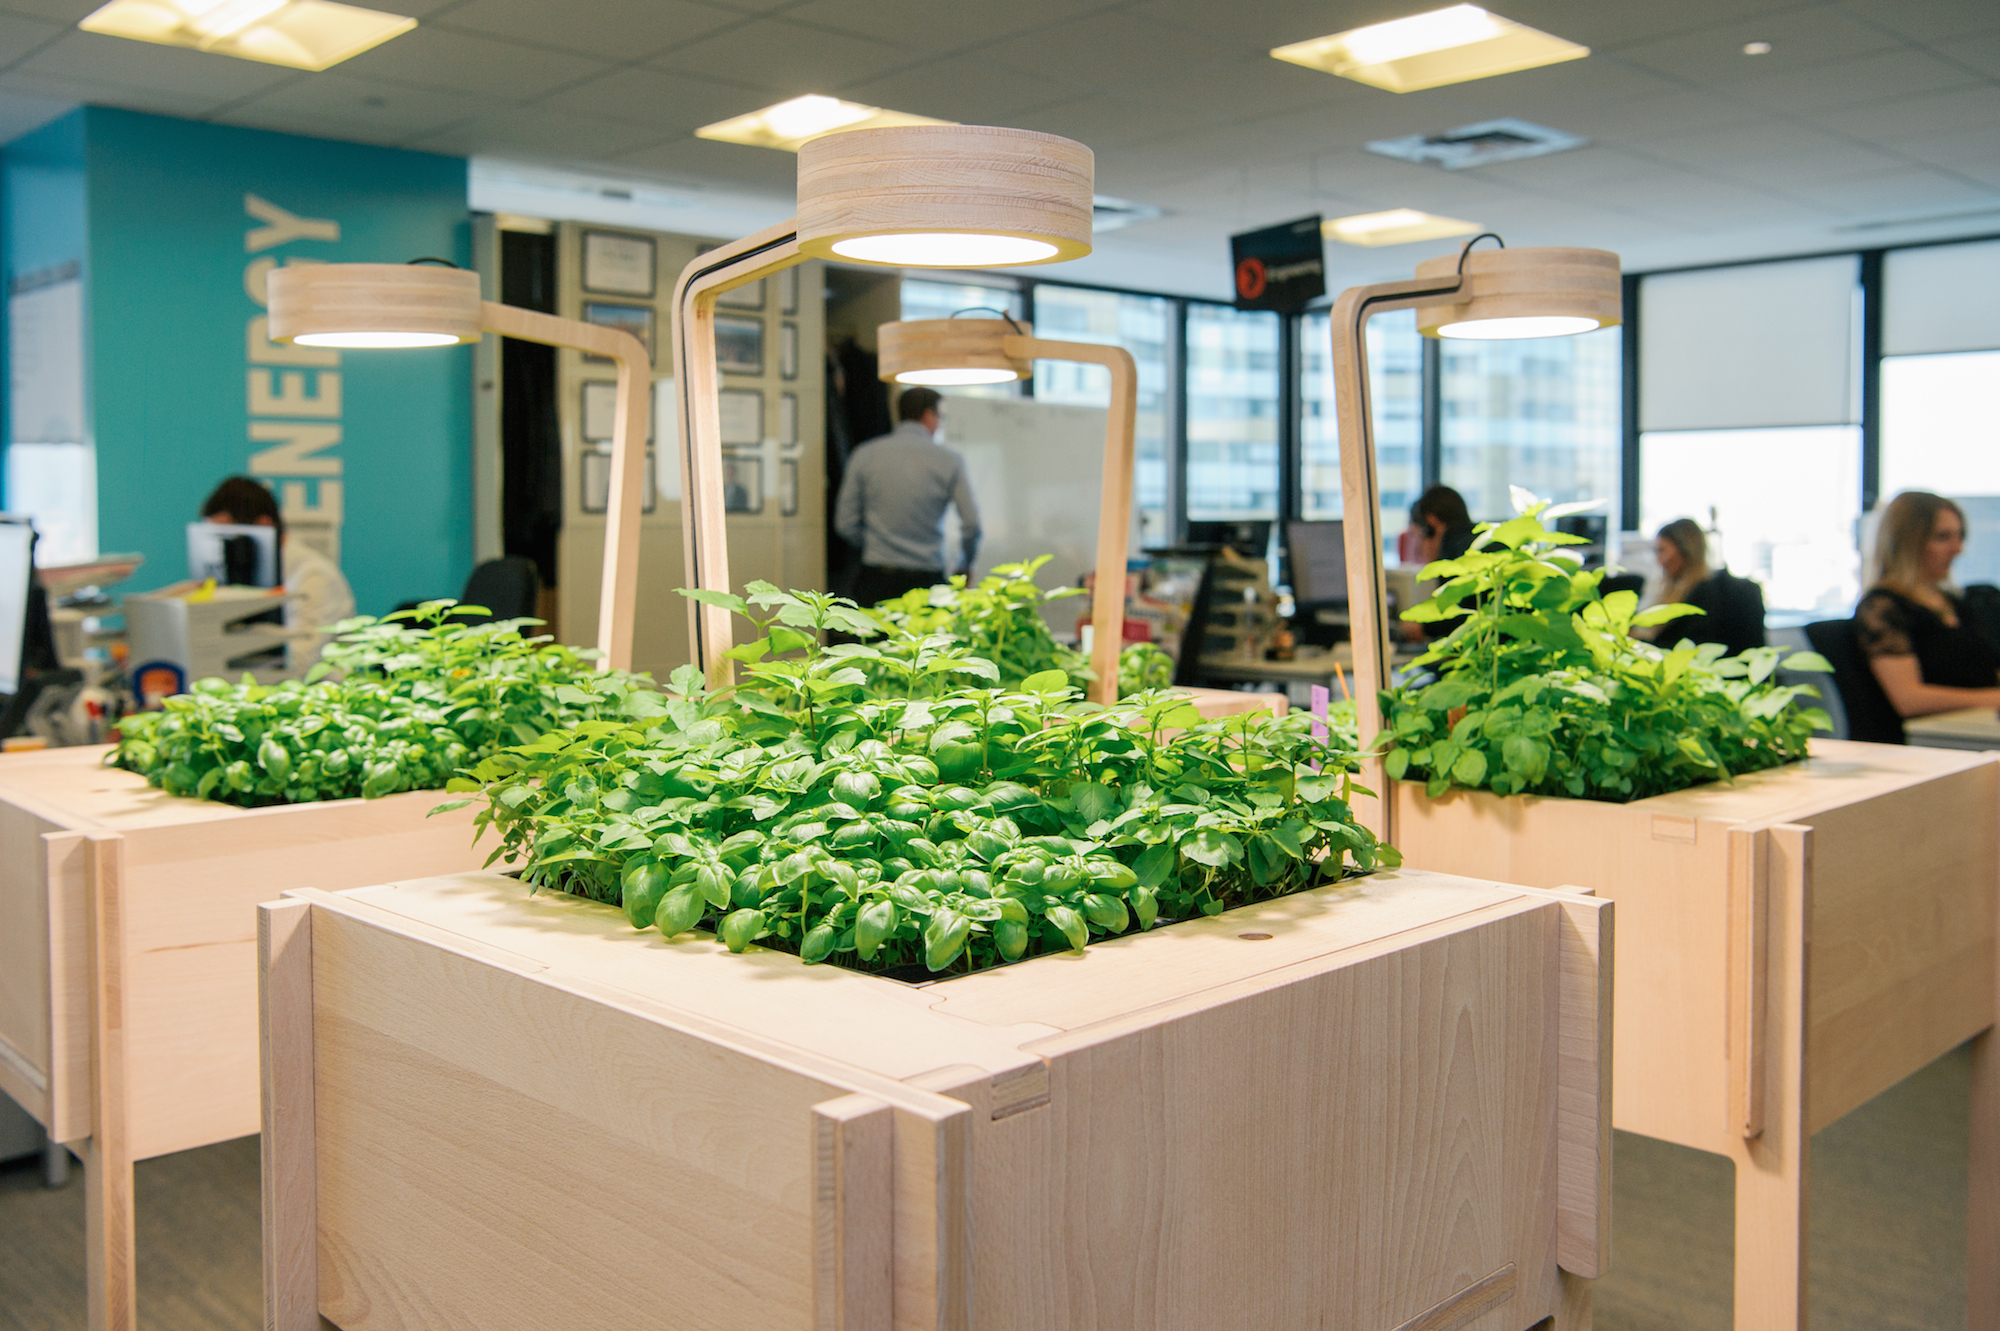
{"x":1319,"y":561}
{"x":17,"y":572}
{"x":240,"y":556}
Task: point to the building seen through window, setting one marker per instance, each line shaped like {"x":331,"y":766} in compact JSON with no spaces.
{"x":1232,"y":413}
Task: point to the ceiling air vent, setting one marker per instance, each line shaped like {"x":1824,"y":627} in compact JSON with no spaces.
{"x":1108,"y":214}
{"x":1482,"y":144}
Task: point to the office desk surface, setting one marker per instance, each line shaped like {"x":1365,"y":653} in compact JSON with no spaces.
{"x":1970,"y":728}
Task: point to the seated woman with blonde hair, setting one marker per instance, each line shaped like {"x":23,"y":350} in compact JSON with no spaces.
{"x":1910,"y":627}
{"x":1732,"y":607}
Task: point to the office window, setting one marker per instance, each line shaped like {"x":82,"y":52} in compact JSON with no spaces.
{"x":1783,"y":506}
{"x":1541,"y":413}
{"x":1143,"y":325}
{"x":1232,"y":413}
{"x":1941,"y":432}
{"x":924,"y":299}
{"x":1396,"y":400}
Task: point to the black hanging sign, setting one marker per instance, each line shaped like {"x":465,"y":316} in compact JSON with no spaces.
{"x":1280,"y":268}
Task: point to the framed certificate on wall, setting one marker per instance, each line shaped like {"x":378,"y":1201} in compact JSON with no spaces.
{"x":595,"y":490}
{"x":742,"y":416}
{"x":750,"y":296}
{"x":634,"y":319}
{"x":739,"y":344}
{"x":618,"y":264}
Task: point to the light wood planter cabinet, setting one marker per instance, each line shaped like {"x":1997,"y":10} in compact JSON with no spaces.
{"x":1791,"y":945}
{"x":1380,"y":1106}
{"x":128,"y":961}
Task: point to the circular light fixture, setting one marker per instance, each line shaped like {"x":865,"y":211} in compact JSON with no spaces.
{"x":373,"y":305}
{"x":944,"y":249}
{"x":955,"y":378}
{"x":376,"y":340}
{"x":941,"y":353}
{"x":945,"y":196}
{"x":1529,"y":325}
{"x":1518,"y":293}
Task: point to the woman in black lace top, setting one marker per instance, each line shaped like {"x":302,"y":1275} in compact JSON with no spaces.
{"x":1909,"y":627}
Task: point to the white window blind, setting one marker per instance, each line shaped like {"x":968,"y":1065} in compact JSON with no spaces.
{"x":1759,"y":345}
{"x":1941,"y":298}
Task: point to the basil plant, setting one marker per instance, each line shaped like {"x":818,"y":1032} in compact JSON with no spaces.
{"x":908,"y":807}
{"x":1541,"y":688}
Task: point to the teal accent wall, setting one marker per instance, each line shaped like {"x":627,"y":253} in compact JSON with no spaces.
{"x":175,"y":253}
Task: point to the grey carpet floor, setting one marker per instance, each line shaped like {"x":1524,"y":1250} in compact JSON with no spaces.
{"x":1887,"y":1241}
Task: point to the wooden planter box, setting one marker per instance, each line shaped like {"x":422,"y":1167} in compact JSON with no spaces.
{"x":1376,"y":1106}
{"x":128,"y":971}
{"x":1793,"y":944}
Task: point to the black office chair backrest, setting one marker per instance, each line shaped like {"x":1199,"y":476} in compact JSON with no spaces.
{"x":510,"y":588}
{"x":1741,"y":612}
{"x":1870,"y":716}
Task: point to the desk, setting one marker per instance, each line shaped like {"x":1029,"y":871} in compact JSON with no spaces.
{"x":1318,"y":668}
{"x":1970,"y":728}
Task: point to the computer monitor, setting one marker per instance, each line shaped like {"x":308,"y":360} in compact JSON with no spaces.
{"x":1318,"y":553}
{"x":1250,"y":538}
{"x":1592,"y":527}
{"x":235,"y":556}
{"x":17,"y":576}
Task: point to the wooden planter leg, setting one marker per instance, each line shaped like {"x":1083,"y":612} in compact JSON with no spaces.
{"x":112,"y":1302}
{"x":1982,"y":1220}
{"x":1574,"y":1312}
{"x":290,"y":1166}
{"x":1772,"y":1167}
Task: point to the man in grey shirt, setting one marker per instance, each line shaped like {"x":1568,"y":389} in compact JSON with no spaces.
{"x":892,"y":503}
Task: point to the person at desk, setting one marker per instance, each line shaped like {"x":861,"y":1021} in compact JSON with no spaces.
{"x":1732,"y":607}
{"x":1909,"y":627}
{"x":323,"y":597}
{"x":892,"y":502}
{"x":1440,"y":528}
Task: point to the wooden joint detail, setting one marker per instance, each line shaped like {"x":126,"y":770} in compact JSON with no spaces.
{"x":288,"y":1145}
{"x":1749,"y":989}
{"x":1583,"y":1086}
{"x":1468,"y":1305}
{"x":854,"y":1214}
{"x":1018,"y":1091}
{"x":1667,"y":827}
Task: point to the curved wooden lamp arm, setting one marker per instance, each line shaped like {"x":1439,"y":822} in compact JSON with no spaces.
{"x":1114,"y":521}
{"x":1361,"y":504}
{"x":704,"y":533}
{"x":631,"y":424}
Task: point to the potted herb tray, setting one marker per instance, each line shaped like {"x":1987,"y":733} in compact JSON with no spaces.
{"x":1795,"y":942}
{"x":1382,"y":1103}
{"x":128,"y":959}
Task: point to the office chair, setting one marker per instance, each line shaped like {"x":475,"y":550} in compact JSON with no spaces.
{"x":1870,"y":716}
{"x":511,"y":588}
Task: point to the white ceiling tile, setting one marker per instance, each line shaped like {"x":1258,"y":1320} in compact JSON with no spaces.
{"x":926,"y":25}
{"x":1974,"y":153}
{"x":1106,"y":122}
{"x":337,"y":105}
{"x":1929,"y":21}
{"x":1647,"y":118}
{"x":1981,"y":53}
{"x":679,"y":159}
{"x":146,"y":67}
{"x":19,"y":36}
{"x":613,"y":29}
{"x":1875,"y":78}
{"x":1104,"y":51}
{"x":966,"y":89}
{"x":1901,"y":192}
{"x":536,"y":132}
{"x":1910,"y":120}
{"x":105,"y":94}
{"x":670,"y":103}
{"x":436,"y":57}
{"x":1799,"y":38}
{"x":786,"y":58}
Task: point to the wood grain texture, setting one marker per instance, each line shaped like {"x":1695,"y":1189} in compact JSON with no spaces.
{"x":1749,"y":989}
{"x":945,"y":178}
{"x":1469,"y":1304}
{"x":1526,"y":282}
{"x":112,"y":1298}
{"x":631,"y":427}
{"x":1982,"y":1230}
{"x":1396,"y":1052}
{"x":854,"y":1214}
{"x":290,"y":1188}
{"x":704,"y":532}
{"x":372,"y":298}
{"x":949,"y":344}
{"x":1583,"y":1089}
{"x":1772,"y":1169}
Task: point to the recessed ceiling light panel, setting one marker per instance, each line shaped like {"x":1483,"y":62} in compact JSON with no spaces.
{"x":1482,"y":144}
{"x":790,"y":123}
{"x":301,"y":34}
{"x":1453,"y":45}
{"x":1398,"y":226}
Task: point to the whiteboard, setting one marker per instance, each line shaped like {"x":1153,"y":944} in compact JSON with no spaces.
{"x":1037,"y":471}
{"x":45,"y":364}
